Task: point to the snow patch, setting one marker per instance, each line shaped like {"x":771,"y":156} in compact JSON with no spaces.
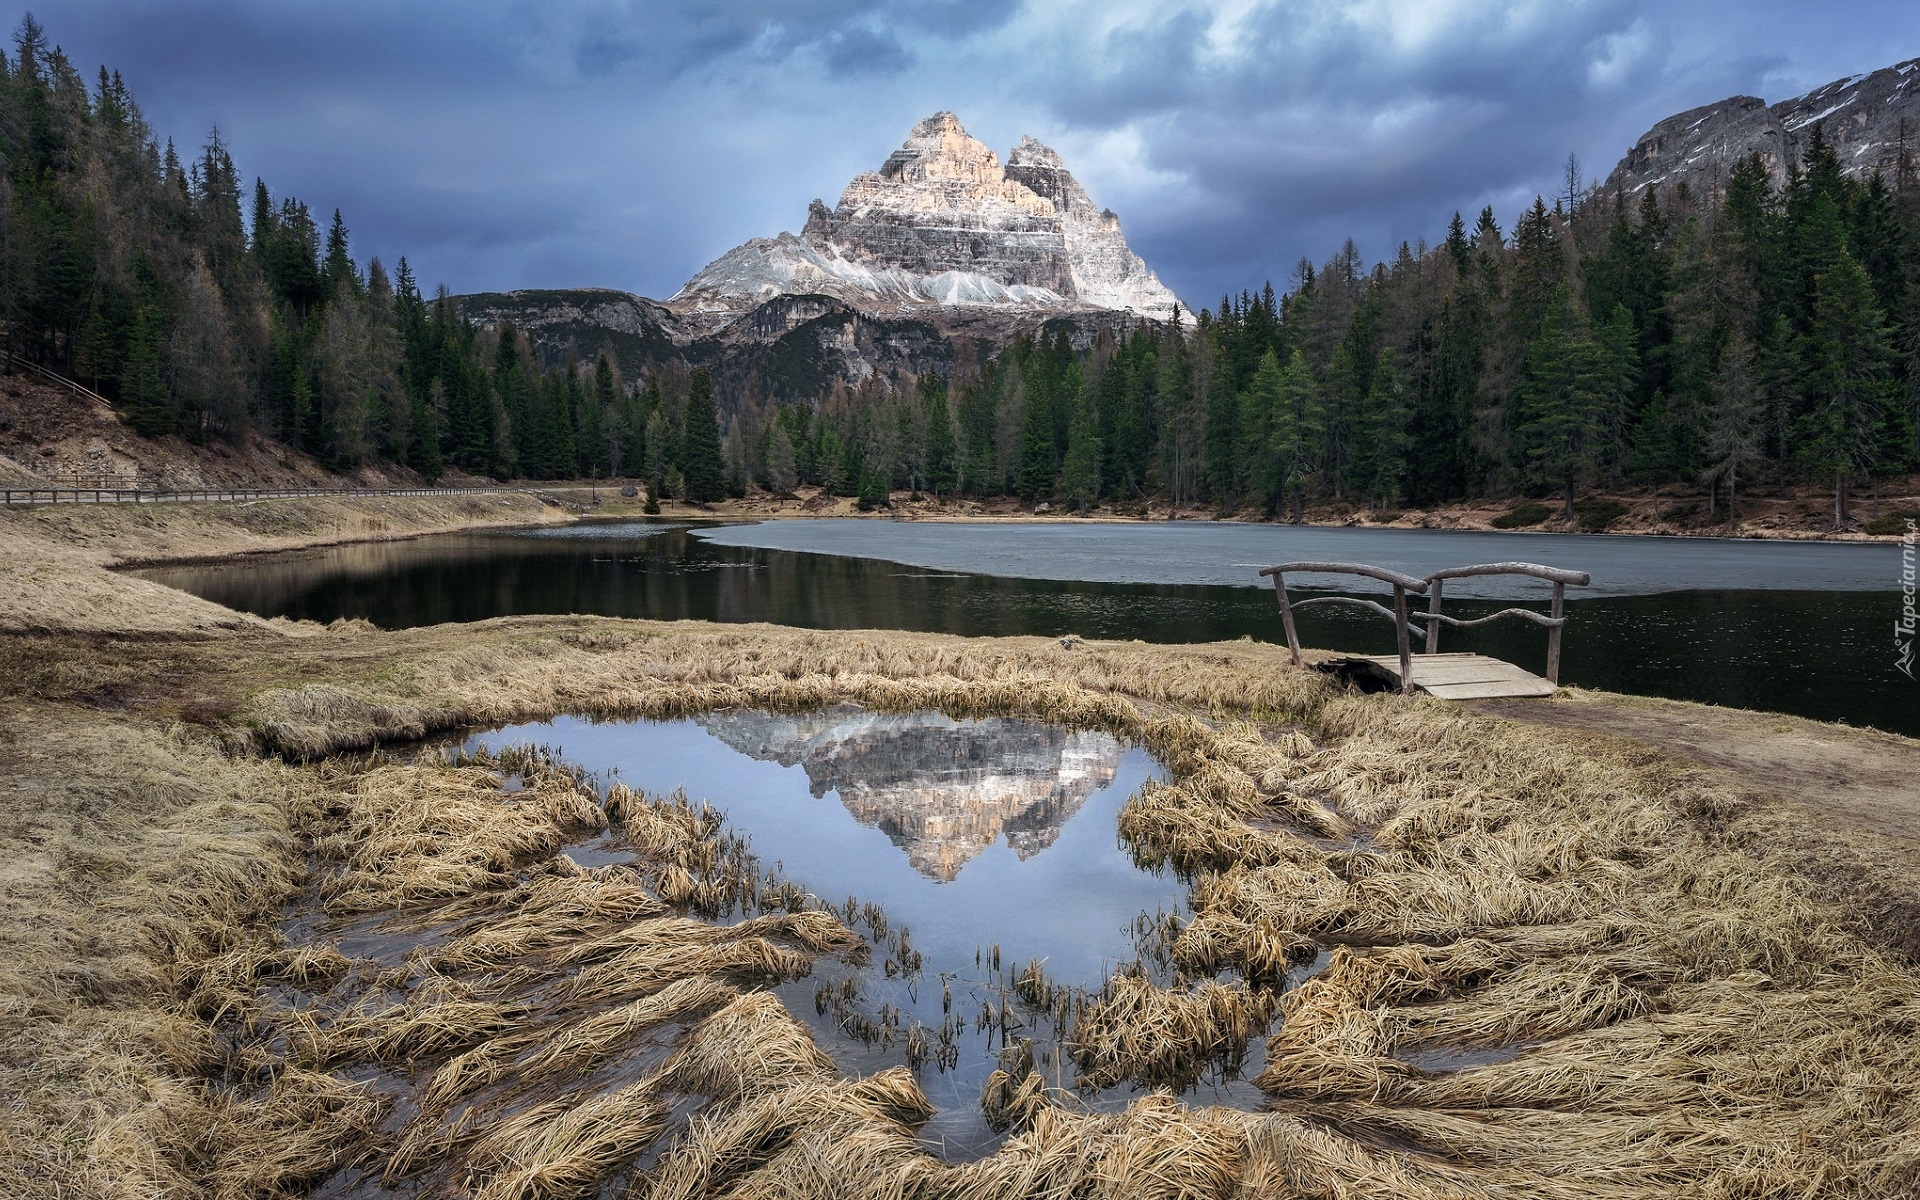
{"x":1802,"y":123}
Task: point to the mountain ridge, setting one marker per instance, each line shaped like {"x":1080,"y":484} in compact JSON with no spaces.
{"x":1870,"y":120}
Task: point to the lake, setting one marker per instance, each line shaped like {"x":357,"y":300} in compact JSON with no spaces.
{"x":1796,"y":627}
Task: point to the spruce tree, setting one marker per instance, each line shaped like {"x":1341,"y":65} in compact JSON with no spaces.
{"x":1849,"y":380}
{"x":942,"y":456}
{"x":1384,"y":442}
{"x":782,"y":474}
{"x":1038,"y":467}
{"x":143,"y":388}
{"x":426,"y":456}
{"x":1656,"y":447}
{"x":702,"y":465}
{"x":1260,"y":412}
{"x":1734,"y":423}
{"x":1561,"y":401}
{"x":1080,"y":473}
{"x":1298,"y":426}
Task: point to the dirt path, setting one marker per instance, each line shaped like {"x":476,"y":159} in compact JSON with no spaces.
{"x":1841,"y":804}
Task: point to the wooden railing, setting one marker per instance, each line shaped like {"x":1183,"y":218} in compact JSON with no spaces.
{"x":1433,"y":587}
{"x":16,"y":362}
{"x":1555,"y":622}
{"x":1402,"y":584}
{"x":137,"y":495}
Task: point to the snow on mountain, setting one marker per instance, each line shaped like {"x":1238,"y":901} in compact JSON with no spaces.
{"x":943,"y":224}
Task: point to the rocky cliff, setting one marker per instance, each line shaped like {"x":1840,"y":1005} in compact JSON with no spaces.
{"x":1868,"y":119}
{"x":942,"y":225}
{"x":941,"y":790}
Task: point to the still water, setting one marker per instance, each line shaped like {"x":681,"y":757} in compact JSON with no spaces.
{"x":985,"y":839}
{"x":1791,"y":627}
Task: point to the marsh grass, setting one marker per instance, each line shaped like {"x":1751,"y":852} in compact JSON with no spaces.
{"x":1688,"y":1018}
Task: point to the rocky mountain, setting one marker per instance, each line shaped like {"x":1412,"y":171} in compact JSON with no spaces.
{"x":942,"y":224}
{"x":1870,"y":120}
{"x":942,"y":790}
{"x":941,"y":255}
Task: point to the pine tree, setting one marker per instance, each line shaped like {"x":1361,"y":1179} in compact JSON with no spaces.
{"x":702,"y":465}
{"x":1849,"y":380}
{"x":1384,"y":440}
{"x":942,"y":456}
{"x":1734,"y":423}
{"x":782,"y":475}
{"x":1080,"y":474}
{"x":1298,"y":427}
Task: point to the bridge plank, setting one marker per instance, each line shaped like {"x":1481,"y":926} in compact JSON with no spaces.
{"x":1465,"y":676}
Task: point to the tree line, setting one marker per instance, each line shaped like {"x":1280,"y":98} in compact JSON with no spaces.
{"x":1757,"y":335}
{"x":1753,"y":335}
{"x":143,"y":276}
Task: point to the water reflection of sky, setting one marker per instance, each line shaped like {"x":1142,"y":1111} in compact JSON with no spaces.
{"x":1223,"y":552}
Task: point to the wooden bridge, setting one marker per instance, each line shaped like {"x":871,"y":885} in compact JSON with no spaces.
{"x":1446,"y":676}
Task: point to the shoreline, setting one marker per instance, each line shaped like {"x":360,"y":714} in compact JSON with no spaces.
{"x":810,"y":503}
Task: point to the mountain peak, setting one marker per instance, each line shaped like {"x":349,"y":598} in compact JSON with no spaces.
{"x":940,"y":148}
{"x":1032,"y":152}
{"x":942,"y":223}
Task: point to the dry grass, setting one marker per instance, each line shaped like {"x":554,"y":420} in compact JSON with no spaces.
{"x":1159,"y":1036}
{"x":134,"y":856}
{"x":1694,"y":1020}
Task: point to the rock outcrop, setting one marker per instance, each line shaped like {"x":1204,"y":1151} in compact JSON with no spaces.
{"x":1869,"y":120}
{"x":941,"y":225}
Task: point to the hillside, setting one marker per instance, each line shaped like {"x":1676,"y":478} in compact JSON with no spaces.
{"x":51,"y":435}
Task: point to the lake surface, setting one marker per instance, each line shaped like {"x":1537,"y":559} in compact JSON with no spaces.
{"x":1804,"y":628}
{"x":993,"y":842}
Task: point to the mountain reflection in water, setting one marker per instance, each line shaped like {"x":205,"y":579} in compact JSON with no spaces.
{"x":941,"y":790}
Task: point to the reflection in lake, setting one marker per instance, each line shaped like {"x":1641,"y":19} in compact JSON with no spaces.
{"x":941,"y":790}
{"x":989,"y":840}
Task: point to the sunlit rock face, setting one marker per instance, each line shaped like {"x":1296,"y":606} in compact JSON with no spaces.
{"x":1867,"y":119}
{"x":942,"y":790}
{"x":942,"y":224}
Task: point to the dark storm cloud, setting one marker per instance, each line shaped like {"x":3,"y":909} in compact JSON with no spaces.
{"x":624,"y":143}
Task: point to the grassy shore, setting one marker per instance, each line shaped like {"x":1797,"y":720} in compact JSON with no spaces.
{"x":1701,"y":952}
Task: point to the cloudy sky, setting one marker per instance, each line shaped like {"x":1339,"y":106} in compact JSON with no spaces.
{"x":625,"y":143}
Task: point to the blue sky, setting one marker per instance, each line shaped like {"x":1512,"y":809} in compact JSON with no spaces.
{"x":620,"y":143}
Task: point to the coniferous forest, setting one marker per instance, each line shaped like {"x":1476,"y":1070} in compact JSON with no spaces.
{"x":1758,"y":337}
